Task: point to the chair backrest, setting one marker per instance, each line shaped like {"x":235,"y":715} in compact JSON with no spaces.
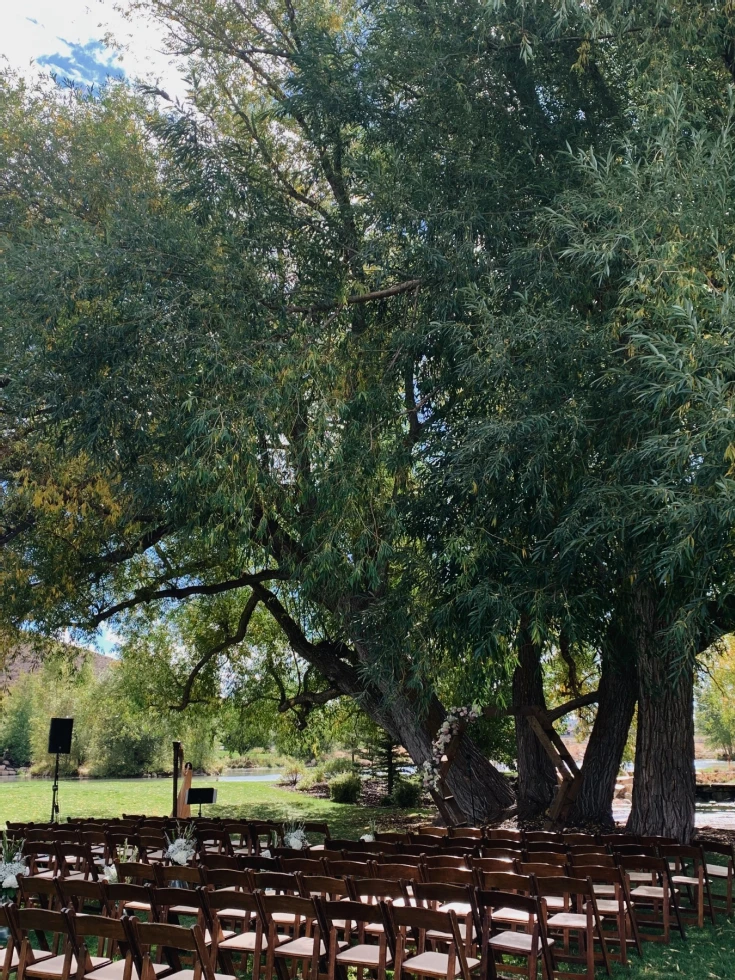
{"x":459,"y":845}
{"x":684,"y":852}
{"x":445,"y":861}
{"x":718,"y":847}
{"x":256,"y":862}
{"x":450,"y":876}
{"x":540,"y":870}
{"x":391,"y":837}
{"x":144,"y":936}
{"x":136,"y":871}
{"x":226,"y":899}
{"x":317,"y":827}
{"x":76,"y":856}
{"x":564,"y":887}
{"x":226,"y":878}
{"x":595,"y":860}
{"x":395,"y":872}
{"x":502,"y":833}
{"x":212,"y":859}
{"x":483,"y":865}
{"x":476,"y":833}
{"x":307,"y":866}
{"x":580,"y":840}
{"x":433,"y":895}
{"x":76,"y":892}
{"x":589,"y":849}
{"x":371,"y":890}
{"x":361,"y":915}
{"x":545,"y":847}
{"x":341,"y":869}
{"x":415,"y":859}
{"x":100,"y":926}
{"x":422,"y":920}
{"x":324,"y":885}
{"x":28,"y":888}
{"x":166,"y":873}
{"x":504,"y":853}
{"x":118,"y":893}
{"x":507,"y":881}
{"x":302,"y":909}
{"x":547,"y":857}
{"x":276,"y":881}
{"x":429,"y":830}
{"x":542,"y":835}
{"x":40,"y":920}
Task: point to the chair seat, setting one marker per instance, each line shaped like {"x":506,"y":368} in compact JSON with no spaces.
{"x":236,"y":914}
{"x":517,"y":942}
{"x":514,"y":916}
{"x":436,"y":964}
{"x":54,"y":966}
{"x":363,"y":955}
{"x":567,"y":920}
{"x":718,"y":871}
{"x":138,"y":906}
{"x":461,"y":908}
{"x":685,"y":880}
{"x":245,"y":942}
{"x":647,"y":891}
{"x":303,"y":948}
{"x":189,"y":975}
{"x":184,"y":910}
{"x":604,"y":889}
{"x":115,"y":971}
{"x":607,"y":906}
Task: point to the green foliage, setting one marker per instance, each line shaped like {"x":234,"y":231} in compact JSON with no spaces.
{"x":407,"y":793}
{"x":337,"y":766}
{"x":15,"y":730}
{"x":716,"y":702}
{"x":345,"y":788}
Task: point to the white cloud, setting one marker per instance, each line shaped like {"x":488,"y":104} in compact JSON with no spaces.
{"x":68,"y":36}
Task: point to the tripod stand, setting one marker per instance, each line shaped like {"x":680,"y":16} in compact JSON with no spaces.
{"x":55,"y":793}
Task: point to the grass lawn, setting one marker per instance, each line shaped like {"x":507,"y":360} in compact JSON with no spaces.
{"x":30,"y":799}
{"x":709,"y":954}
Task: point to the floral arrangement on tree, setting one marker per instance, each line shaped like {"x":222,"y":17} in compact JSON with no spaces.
{"x":181,"y":849}
{"x":449,"y":728}
{"x":294,"y":837}
{"x":12,"y":863}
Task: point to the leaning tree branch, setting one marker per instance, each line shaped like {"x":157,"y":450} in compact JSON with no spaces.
{"x":310,"y":698}
{"x":237,"y":637}
{"x":356,"y":298}
{"x":183,"y":592}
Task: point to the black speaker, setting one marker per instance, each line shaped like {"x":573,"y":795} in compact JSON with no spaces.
{"x":200,"y":796}
{"x":59,"y":735}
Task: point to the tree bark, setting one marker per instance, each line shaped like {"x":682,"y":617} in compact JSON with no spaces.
{"x":664,"y":781}
{"x":618,"y":692}
{"x":536,"y":773}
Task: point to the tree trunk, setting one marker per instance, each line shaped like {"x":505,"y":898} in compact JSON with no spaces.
{"x":536,"y":773}
{"x":618,"y":692}
{"x":664,"y":781}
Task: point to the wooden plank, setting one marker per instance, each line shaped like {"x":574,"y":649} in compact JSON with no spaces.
{"x":550,"y":748}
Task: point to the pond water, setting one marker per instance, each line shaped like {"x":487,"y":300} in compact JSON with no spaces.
{"x":248,"y":775}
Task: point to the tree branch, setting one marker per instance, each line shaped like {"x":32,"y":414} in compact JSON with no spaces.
{"x":183,"y":592}
{"x":229,"y":641}
{"x":401,"y":287}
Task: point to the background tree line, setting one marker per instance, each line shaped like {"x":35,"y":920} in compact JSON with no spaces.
{"x":409,"y":330}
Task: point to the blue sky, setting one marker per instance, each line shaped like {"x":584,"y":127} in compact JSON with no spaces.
{"x":83,"y":40}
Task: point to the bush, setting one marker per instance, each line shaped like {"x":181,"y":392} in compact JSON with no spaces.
{"x":345,"y":788}
{"x":291,"y":775}
{"x":406,"y":793}
{"x":336,"y":766}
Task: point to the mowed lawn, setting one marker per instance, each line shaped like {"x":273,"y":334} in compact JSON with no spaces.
{"x":30,"y":799}
{"x":708,"y":954}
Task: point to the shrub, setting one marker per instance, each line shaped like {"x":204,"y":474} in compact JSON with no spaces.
{"x":336,"y":766}
{"x":291,"y":775}
{"x":345,"y":788}
{"x":406,"y":793}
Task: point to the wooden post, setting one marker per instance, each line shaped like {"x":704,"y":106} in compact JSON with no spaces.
{"x":177,"y":751}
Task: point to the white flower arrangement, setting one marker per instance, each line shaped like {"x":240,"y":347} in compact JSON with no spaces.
{"x":12,"y":862}
{"x":182,"y":848}
{"x":109,"y":873}
{"x":369,"y":837}
{"x":295,"y":837}
{"x":455,"y":720}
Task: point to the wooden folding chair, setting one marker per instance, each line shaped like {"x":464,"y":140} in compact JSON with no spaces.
{"x":581,"y":917}
{"x":170,"y":940}
{"x":533,"y":945}
{"x":697,"y":884}
{"x":459,"y":899}
{"x":446,"y":861}
{"x":656,"y":897}
{"x":614,"y":906}
{"x":724,"y":873}
{"x":426,"y":962}
{"x":358,"y":921}
{"x":59,"y":966}
{"x":233,"y":906}
{"x":110,"y":932}
{"x":10,"y":954}
{"x":306,"y":949}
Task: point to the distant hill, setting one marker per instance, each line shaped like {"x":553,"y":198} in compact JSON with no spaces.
{"x":26,"y":659}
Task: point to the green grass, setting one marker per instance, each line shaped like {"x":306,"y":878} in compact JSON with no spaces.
{"x":30,"y":799}
{"x":708,"y":954}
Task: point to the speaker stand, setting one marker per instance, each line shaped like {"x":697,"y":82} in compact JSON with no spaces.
{"x":55,"y":793}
